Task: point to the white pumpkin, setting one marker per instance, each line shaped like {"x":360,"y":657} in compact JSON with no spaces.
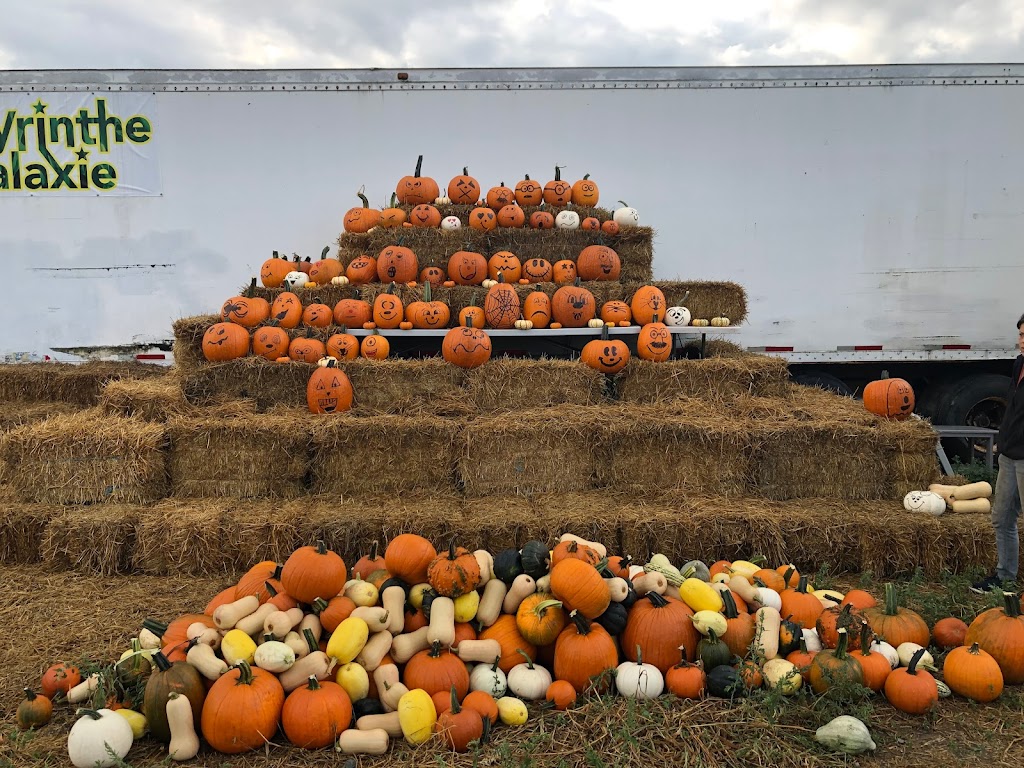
{"x":529,"y":681}
{"x":99,"y":738}
{"x":626,"y":216}
{"x":567,"y":220}
{"x":882,"y":647}
{"x":295,"y":280}
{"x":845,"y":734}
{"x":274,"y":656}
{"x":678,"y":316}
{"x":451,"y":222}
{"x":339,"y":280}
{"x":783,"y":675}
{"x":442,"y":200}
{"x":488,"y":678}
{"x":812,"y":640}
{"x":906,"y":652}
{"x":637,"y":680}
{"x":924,"y":501}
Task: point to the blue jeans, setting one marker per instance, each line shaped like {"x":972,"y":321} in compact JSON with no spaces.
{"x":1005,"y":510}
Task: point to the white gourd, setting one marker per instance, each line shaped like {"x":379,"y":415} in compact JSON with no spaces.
{"x":99,"y":739}
{"x":638,"y":680}
{"x":489,"y":679}
{"x":845,"y":734}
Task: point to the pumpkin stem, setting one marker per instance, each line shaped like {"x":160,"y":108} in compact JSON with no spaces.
{"x":788,"y":574}
{"x":801,"y":586}
{"x":731,"y":611}
{"x":435,"y":649}
{"x":361,"y":196}
{"x":426,"y":292}
{"x":88,"y":713}
{"x":865,"y":638}
{"x":313,"y":684}
{"x":310,"y":639}
{"x":270,"y":587}
{"x":639,"y":655}
{"x":840,"y":652}
{"x":525,"y":655}
{"x":158,"y":628}
{"x":623,"y":204}
{"x":542,"y":607}
{"x":451,"y":546}
{"x":915,"y":660}
{"x":558,"y":173}
{"x":321,"y":548}
{"x":394,"y":200}
{"x":891,"y":602}
{"x":582,"y":622}
{"x":455,"y":703}
{"x":161,"y":661}
{"x":31,"y":695}
{"x":319,"y":605}
{"x":496,"y":664}
{"x":586,"y":176}
{"x":244,"y":673}
{"x":323,"y":253}
{"x":657,"y":600}
{"x":682,"y":653}
{"x":1011,"y":605}
{"x":419,"y":166}
{"x":267,"y":637}
{"x":526,"y":177}
{"x":604,"y":332}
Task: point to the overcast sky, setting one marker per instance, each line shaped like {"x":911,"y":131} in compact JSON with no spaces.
{"x":514,"y":33}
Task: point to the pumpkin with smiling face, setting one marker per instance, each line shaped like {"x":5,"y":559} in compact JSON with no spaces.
{"x":343,"y":346}
{"x":286,"y":310}
{"x":617,"y":313}
{"x":464,"y":189}
{"x":647,"y":302}
{"x":529,"y":192}
{"x":375,"y":346}
{"x":425,"y":215}
{"x":500,"y":196}
{"x":352,"y":312}
{"x":654,"y":342}
{"x":270,"y":342}
{"x":467,"y":268}
{"x":398,"y":264}
{"x":606,"y":354}
{"x":557,"y":193}
{"x":416,"y":189}
{"x":225,"y":341}
{"x":361,"y":270}
{"x":537,"y":271}
{"x":482,"y":219}
{"x":274,"y":271}
{"x":610,"y":227}
{"x":433,"y":275}
{"x":542,"y":220}
{"x":329,"y":389}
{"x":428,"y":314}
{"x":466,"y":347}
{"x":361,"y":218}
{"x":537,"y":309}
{"x":317,"y":316}
{"x":590,"y":224}
{"x":505,"y":263}
{"x":388,"y":311}
{"x":598,"y":262}
{"x":573,"y":306}
{"x":564,"y":272}
{"x":585,"y":192}
{"x":510,"y":216}
{"x":393,"y":216}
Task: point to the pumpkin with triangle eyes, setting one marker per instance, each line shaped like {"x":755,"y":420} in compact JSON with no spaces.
{"x":482,"y":219}
{"x":352,"y":312}
{"x":388,"y":311}
{"x":654,"y":342}
{"x":537,"y":309}
{"x":557,"y":193}
{"x":287,"y":310}
{"x":275,"y":270}
{"x":585,"y":192}
{"x":573,"y":306}
{"x":375,"y":346}
{"x":270,"y":342}
{"x":467,"y":268}
{"x":537,"y":271}
{"x":564,"y":272}
{"x":225,"y":341}
{"x":361,"y":270}
{"x":529,"y":192}
{"x":398,"y":264}
{"x":511,"y":216}
{"x":343,"y":346}
{"x":542,"y":220}
{"x":416,"y":189}
{"x":606,"y":354}
{"x":317,"y":315}
{"x":329,"y":389}
{"x":500,"y":196}
{"x":466,"y":347}
{"x":425,"y":215}
{"x":598,"y":262}
{"x":505,"y":263}
{"x":361,"y":218}
{"x":464,"y":189}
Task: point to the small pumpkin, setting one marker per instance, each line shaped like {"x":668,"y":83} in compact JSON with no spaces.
{"x":897,"y":625}
{"x":616,"y":312}
{"x":557,"y":193}
{"x":393,"y":216}
{"x":361,"y":270}
{"x":361,"y":218}
{"x":464,"y":189}
{"x":322,"y":272}
{"x":307,"y":349}
{"x":585,"y":192}
{"x":34,"y":711}
{"x":542,"y":220}
{"x":375,"y":346}
{"x":890,"y":398}
{"x":610,"y":227}
{"x":433,"y":275}
{"x":270,"y":342}
{"x":510,"y":216}
{"x":529,"y":192}
{"x":590,"y":224}
{"x":343,"y":345}
{"x":500,"y":196}
{"x":654,"y":342}
{"x":482,"y":219}
{"x":564,"y":272}
{"x":317,"y":315}
{"x":425,"y":215}
{"x":540,"y":618}
{"x":606,"y":355}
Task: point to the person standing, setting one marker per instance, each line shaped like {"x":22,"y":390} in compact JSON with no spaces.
{"x":1006,"y":502}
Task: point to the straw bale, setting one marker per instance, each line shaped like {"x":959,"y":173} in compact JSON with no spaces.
{"x":711,"y":378}
{"x":686,"y":447}
{"x":30,"y":413}
{"x":438,"y":517}
{"x":152,"y":399}
{"x":98,"y":540}
{"x":265,"y":383}
{"x":398,"y":386}
{"x":346,"y":524}
{"x":656,"y":522}
{"x":965,"y":543}
{"x":185,"y":538}
{"x":553,"y":449}
{"x":593,"y":515}
{"x":383,"y":454}
{"x":188,"y":341}
{"x":500,"y":522}
{"x":707,"y":298}
{"x":80,"y":384}
{"x":87,"y":457}
{"x":511,"y":384}
{"x":245,"y":456}
{"x":21,"y":530}
{"x":261,"y":529}
{"x":896,"y":542}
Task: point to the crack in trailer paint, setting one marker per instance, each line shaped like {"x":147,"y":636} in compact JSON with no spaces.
{"x":102,"y":269}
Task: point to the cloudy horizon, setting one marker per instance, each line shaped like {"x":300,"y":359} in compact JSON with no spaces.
{"x":244,"y":34}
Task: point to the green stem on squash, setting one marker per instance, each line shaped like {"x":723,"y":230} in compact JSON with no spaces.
{"x":558,"y":173}
{"x":465,"y":170}
{"x":542,"y":607}
{"x":321,"y":548}
{"x":891,"y":601}
{"x":323,"y":253}
{"x":841,"y":644}
{"x":310,"y":638}
{"x":319,"y":605}
{"x":731,"y":611}
{"x":802,"y":585}
{"x":455,"y":703}
{"x":31,"y":695}
{"x":394,"y":200}
{"x":158,"y":628}
{"x":639,"y":655}
{"x":865,"y":638}
{"x":525,"y":655}
{"x":623,"y":204}
{"x":428,"y":298}
{"x":83,"y":712}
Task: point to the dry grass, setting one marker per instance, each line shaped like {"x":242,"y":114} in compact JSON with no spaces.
{"x":188,"y":341}
{"x":712,"y":378}
{"x":96,"y":540}
{"x":87,"y":457}
{"x":153,"y":399}
{"x":66,"y":382}
{"x":22,"y":527}
{"x":706,"y":298}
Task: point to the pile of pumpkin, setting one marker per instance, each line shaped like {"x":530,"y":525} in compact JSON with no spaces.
{"x":418,"y":644}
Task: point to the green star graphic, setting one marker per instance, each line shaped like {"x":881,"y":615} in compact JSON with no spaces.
{"x":82,"y":154}
{"x":39,"y":107}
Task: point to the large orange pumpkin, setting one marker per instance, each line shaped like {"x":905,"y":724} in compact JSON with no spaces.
{"x":361,"y":218}
{"x":467,"y":268}
{"x":328,"y":391}
{"x":891,"y":398}
{"x":529,"y":192}
{"x":511,"y":216}
{"x":466,"y":347}
{"x":324,"y":270}
{"x":416,"y":189}
{"x":464,"y":189}
{"x":606,"y":355}
{"x":408,"y":556}
{"x":275,"y":270}
{"x":573,"y":306}
{"x":897,"y":625}
{"x":353,"y":312}
{"x":654,"y":342}
{"x":598,"y":262}
{"x":482,"y":219}
{"x":388,"y":311}
{"x":501,"y":305}
{"x":557,"y":193}
{"x":315,"y":714}
{"x":647,"y":302}
{"x":246,"y":310}
{"x":286,"y":310}
{"x":425,"y":215}
{"x":225,"y":341}
{"x":429,"y":313}
{"x":397,"y":263}
{"x":507,"y":264}
{"x":306,"y":349}
{"x":1000,"y":632}
{"x":659,"y":625}
{"x":361,"y":270}
{"x":251,"y":690}
{"x":343,"y":346}
{"x":537,"y":270}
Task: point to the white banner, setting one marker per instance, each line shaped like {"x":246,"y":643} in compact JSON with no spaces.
{"x":78,"y":144}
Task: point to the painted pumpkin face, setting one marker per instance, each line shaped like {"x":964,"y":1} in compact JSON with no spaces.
{"x":557,"y":192}
{"x":573,"y":306}
{"x":585,"y":192}
{"x":542,"y":220}
{"x":425,"y":215}
{"x":616,"y":312}
{"x":464,"y":189}
{"x":329,"y":391}
{"x":537,"y":309}
{"x":529,"y":192}
{"x":225,"y":341}
{"x":399,"y":264}
{"x":352,"y":313}
{"x":393,"y":217}
{"x":247,"y":312}
{"x":564,"y":271}
{"x":605,"y":355}
{"x":428,"y":313}
{"x":678,"y":316}
{"x":295,"y":279}
{"x":505,"y":263}
{"x":483,"y":219}
{"x":567,"y":220}
{"x":416,"y":189}
{"x":270,"y":343}
{"x":598,"y":262}
{"x":287,"y":310}
{"x":325,"y":270}
{"x":472,"y":317}
{"x":891,"y":398}
{"x":610,"y":227}
{"x":537,"y":271}
{"x":433,"y":275}
{"x":590,"y":224}
{"x":500,"y":196}
{"x":306,"y":350}
{"x":654,"y":343}
{"x":466,"y":347}
{"x":274,"y":271}
{"x":361,"y":218}
{"x":647,"y":302}
{"x":317,"y":316}
{"x":467,"y":268}
{"x":501,"y":306}
{"x":361,"y":270}
{"x":448,"y":223}
{"x":511,"y":216}
{"x":375,"y":347}
{"x":388,"y":311}
{"x":343,"y":346}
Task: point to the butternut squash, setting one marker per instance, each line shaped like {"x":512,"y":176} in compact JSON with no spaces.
{"x":405,"y":646}
{"x":375,"y":650}
{"x":84,"y":690}
{"x":486,"y":562}
{"x":441,"y":628}
{"x":544,"y":583}
{"x":252,"y":624}
{"x":393,"y":601}
{"x":280,"y":623}
{"x":601,"y":550}
{"x":391,"y":695}
{"x":945,"y":491}
{"x":650,"y":582}
{"x":617,"y":588}
{"x":765,"y":644}
{"x":972,"y":491}
{"x":203,"y":658}
{"x":207,"y":636}
{"x":318,"y":664}
{"x":481,"y":651}
{"x":228,"y":615}
{"x":741,"y":586}
{"x":522,"y":587}
{"x":376,"y":618}
{"x":391,"y":722}
{"x":311,"y":622}
{"x":348,"y":639}
{"x":356,"y":742}
{"x":490,"y":604}
{"x":972,"y":506}
{"x":149,"y":641}
{"x":384,"y":677}
{"x":184,"y":744}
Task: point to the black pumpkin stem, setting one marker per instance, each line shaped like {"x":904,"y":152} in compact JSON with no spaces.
{"x":435,"y":649}
{"x":658,"y":601}
{"x":161,"y":661}
{"x":915,"y":660}
{"x":419,"y":166}
{"x":582,"y":622}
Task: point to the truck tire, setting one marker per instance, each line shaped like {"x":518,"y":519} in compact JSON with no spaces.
{"x":976,"y":401}
{"x":824,"y":381}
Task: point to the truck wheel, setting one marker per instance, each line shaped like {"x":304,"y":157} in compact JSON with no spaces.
{"x":977,"y":401}
{"x":824,"y":381}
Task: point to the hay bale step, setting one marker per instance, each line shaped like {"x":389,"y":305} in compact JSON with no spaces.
{"x":644,"y":382}
{"x":151,"y":399}
{"x":66,"y":382}
{"x":98,"y":540}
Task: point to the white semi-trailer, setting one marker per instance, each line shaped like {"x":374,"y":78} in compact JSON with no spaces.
{"x":875,"y":215}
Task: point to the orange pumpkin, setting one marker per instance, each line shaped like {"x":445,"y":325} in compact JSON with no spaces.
{"x":507,"y":264}
{"x":361,"y":270}
{"x":598,"y":262}
{"x":270,"y":342}
{"x":375,"y":346}
{"x":557,"y":193}
{"x":464,"y":189}
{"x":343,"y":346}
{"x":647,"y":302}
{"x":467,"y":268}
{"x":416,"y":189}
{"x":616,"y":312}
{"x":246,"y":311}
{"x":353,"y":312}
{"x":573,"y":307}
{"x":388,"y":311}
{"x":275,"y":270}
{"x":428,"y":314}
{"x":466,"y":346}
{"x":317,"y":316}
{"x":482,"y":219}
{"x":399,"y":264}
{"x":564,"y":271}
{"x":393,"y":216}
{"x":590,"y":224}
{"x":510,"y":216}
{"x":328,"y":391}
{"x":500,"y":196}
{"x":537,"y":270}
{"x":286,"y":310}
{"x":585,"y":192}
{"x":472,"y":316}
{"x":247,"y":689}
{"x":306,"y":349}
{"x":654,"y":342}
{"x":529,"y":192}
{"x":537,"y":309}
{"x":605,"y":355}
{"x":408,"y":557}
{"x":362,"y":218}
{"x":425,"y":215}
{"x":433,"y":275}
{"x":225,"y":341}
{"x":542,"y":220}
{"x":501,"y":306}
{"x":891,"y":398}
{"x":315,"y":714}
{"x":324,"y":270}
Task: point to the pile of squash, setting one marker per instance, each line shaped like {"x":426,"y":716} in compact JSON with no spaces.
{"x":417,"y":644}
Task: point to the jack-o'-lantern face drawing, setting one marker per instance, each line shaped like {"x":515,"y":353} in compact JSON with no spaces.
{"x":505,"y":263}
{"x":274,"y":270}
{"x":329,"y":390}
{"x":564,"y":271}
{"x":425,"y":215}
{"x":585,"y":192}
{"x":590,"y":224}
{"x":343,"y":346}
{"x":388,"y":311}
{"x":537,"y":309}
{"x":616,"y":312}
{"x":317,"y":315}
{"x":433,"y":275}
{"x":375,"y":346}
{"x":500,"y":196}
{"x":647,"y":302}
{"x":654,"y":343}
{"x":483,"y":219}
{"x":448,"y":223}
{"x":598,"y":262}
{"x":466,"y":347}
{"x":573,"y":306}
{"x":606,"y":355}
{"x":270,"y":343}
{"x":287,"y":310}
{"x":416,"y":189}
{"x":529,"y":192}
{"x":537,"y":271}
{"x":398,"y":264}
{"x":542,"y":220}
{"x":467,"y":268}
{"x":353,"y":312}
{"x":511,"y":216}
{"x":557,"y":192}
{"x":361,"y":270}
{"x":464,"y":189}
